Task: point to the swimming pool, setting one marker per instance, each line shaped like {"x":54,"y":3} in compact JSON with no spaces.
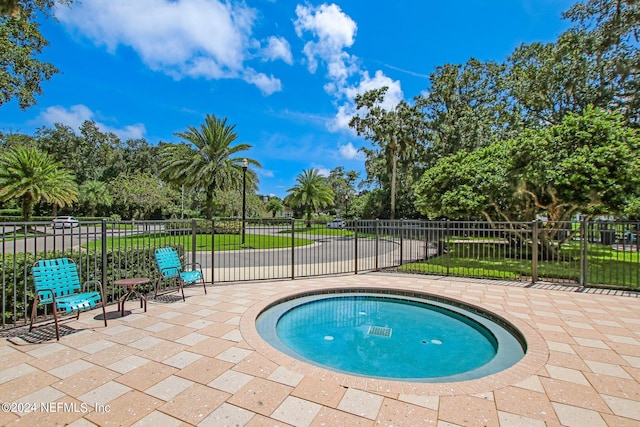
{"x":404,"y":336}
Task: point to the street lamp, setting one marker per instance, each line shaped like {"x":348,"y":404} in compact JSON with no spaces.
{"x":346,"y":205}
{"x":244,"y":194}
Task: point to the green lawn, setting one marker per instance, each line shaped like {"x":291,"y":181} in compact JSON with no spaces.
{"x":120,"y":226}
{"x":319,"y":230}
{"x":21,"y":234}
{"x":223,"y":242}
{"x":605,"y":266}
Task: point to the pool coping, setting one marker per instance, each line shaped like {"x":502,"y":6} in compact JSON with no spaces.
{"x":535,"y":358}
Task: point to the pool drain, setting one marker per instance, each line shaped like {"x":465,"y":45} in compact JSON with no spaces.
{"x":380,"y":331}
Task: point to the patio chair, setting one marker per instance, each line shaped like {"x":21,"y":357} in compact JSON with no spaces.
{"x":171,"y":268}
{"x":57,"y":282}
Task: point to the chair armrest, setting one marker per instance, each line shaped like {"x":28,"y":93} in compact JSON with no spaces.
{"x":194,"y":264}
{"x":93,"y":282}
{"x":51,"y":291}
{"x":45,"y":290}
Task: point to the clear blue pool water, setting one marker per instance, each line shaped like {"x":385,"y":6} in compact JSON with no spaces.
{"x":389,"y":337}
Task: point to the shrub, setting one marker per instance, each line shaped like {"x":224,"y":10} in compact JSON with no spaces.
{"x":15,"y":271}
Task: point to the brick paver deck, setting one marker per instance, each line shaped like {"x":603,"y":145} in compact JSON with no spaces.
{"x":201,"y":362}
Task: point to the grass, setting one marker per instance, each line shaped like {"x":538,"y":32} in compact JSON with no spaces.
{"x":319,"y":229}
{"x":120,"y":226}
{"x":223,"y":242}
{"x":605,"y":266}
{"x":21,"y":234}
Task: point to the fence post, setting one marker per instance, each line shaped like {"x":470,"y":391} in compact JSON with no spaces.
{"x":213,"y":251}
{"x":446,"y":236}
{"x":193,"y":241}
{"x":583,"y":252}
{"x":293,"y":249}
{"x":401,"y":240}
{"x":103,"y":244}
{"x":355,"y":259}
{"x":376,"y":244}
{"x":534,"y":251}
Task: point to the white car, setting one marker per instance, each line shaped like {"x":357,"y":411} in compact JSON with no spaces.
{"x":65,"y":222}
{"x":337,"y":223}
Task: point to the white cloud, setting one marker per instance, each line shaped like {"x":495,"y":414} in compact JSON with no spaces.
{"x":334,"y":28}
{"x":347,"y":110}
{"x":136,"y":131}
{"x":196,"y":38}
{"x":343,"y":117}
{"x":394,"y":92}
{"x":266,"y":84}
{"x":76,"y":115}
{"x":72,"y":117}
{"x":322,"y":170}
{"x":333,"y":33}
{"x":277,"y":48}
{"x":350,"y":152}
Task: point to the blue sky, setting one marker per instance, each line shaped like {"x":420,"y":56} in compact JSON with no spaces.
{"x":285,"y":73}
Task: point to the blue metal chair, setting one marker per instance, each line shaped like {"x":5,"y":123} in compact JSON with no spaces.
{"x":171,"y":268}
{"x":57,"y":282}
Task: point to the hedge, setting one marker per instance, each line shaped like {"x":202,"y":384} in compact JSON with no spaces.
{"x":15,"y":273}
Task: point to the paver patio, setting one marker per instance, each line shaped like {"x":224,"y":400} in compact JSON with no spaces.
{"x":201,"y":362}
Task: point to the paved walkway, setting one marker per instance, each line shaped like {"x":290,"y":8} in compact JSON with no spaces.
{"x":201,"y":362}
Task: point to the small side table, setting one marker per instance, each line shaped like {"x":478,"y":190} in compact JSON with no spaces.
{"x":131,"y":284}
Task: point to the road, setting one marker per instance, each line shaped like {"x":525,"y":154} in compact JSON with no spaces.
{"x":329,"y":254}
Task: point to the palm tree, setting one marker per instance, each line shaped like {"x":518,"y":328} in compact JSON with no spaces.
{"x":213,"y":165}
{"x":30,"y":175}
{"x":396,"y":131}
{"x":274,"y":205}
{"x":94,"y":194}
{"x":311,"y":193}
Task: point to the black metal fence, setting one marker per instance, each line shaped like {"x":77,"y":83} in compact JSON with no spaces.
{"x":228,"y":250}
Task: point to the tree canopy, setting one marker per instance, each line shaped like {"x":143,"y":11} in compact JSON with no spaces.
{"x":589,"y":163}
{"x":22,"y":72}
{"x":208,"y":161}
{"x":312,"y":193}
{"x":543,"y":131}
{"x":395,"y":131}
{"x":470,"y":107}
{"x":30,"y":175}
{"x":140,"y":195}
{"x":274,"y":205}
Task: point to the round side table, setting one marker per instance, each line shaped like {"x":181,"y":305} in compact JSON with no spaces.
{"x":131,"y":284}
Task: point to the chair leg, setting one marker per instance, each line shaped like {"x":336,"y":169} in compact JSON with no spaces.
{"x":33,"y":312}
{"x":104,"y":304}
{"x":55,"y":318}
{"x":182,"y":289}
{"x":104,"y":313}
{"x":204,"y":285}
{"x":157,"y":285}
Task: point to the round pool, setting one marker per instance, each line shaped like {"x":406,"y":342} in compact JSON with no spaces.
{"x":404,"y":336}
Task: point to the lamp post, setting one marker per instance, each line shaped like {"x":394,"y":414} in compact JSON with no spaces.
{"x":244,"y":194}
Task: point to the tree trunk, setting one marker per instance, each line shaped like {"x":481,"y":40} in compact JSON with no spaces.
{"x":394,"y":166}
{"x":547,"y":251}
{"x":27,"y":205}
{"x":209,"y":205}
